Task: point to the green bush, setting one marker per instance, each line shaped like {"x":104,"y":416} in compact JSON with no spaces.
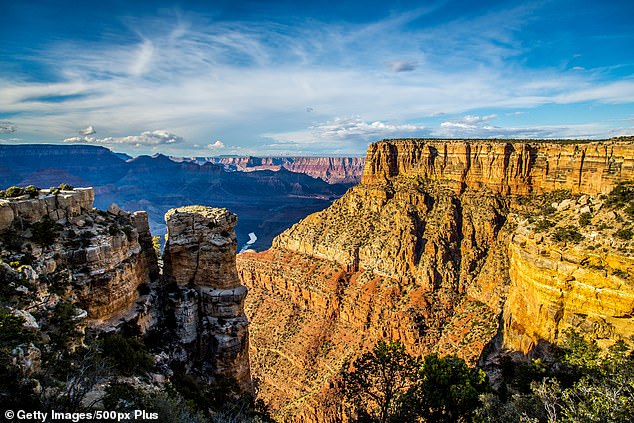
{"x":128,"y":355}
{"x":567,"y":234}
{"x":584,"y":219}
{"x":32,"y":191}
{"x":543,"y":224}
{"x":622,"y":195}
{"x":113,"y":229}
{"x":65,"y":187}
{"x":45,"y":231}
{"x":13,"y":192}
{"x":625,"y":234}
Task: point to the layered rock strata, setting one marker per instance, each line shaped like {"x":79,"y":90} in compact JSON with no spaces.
{"x":334,"y":170}
{"x":61,"y":206}
{"x":99,"y":258}
{"x":583,"y":282}
{"x":505,"y":167}
{"x":207,"y":298}
{"x":424,"y":251}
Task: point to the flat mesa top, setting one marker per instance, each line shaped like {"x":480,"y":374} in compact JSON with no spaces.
{"x":623,"y":139}
{"x":210,"y":213}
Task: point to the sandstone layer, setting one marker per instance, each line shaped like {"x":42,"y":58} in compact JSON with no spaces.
{"x":505,"y":167}
{"x":206,"y":300}
{"x":427,"y":250}
{"x":586,"y":284}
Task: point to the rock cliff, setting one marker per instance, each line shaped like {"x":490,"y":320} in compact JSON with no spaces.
{"x":102,"y":264}
{"x":429,"y":250}
{"x":206,"y":300}
{"x":100,"y":259}
{"x":505,"y":167}
{"x":334,"y":170}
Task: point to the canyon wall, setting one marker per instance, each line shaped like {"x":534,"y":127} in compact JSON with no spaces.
{"x":334,"y":170}
{"x":206,"y":299}
{"x":428,"y":250}
{"x":505,"y":167}
{"x":103,"y":264}
{"x":100,"y":258}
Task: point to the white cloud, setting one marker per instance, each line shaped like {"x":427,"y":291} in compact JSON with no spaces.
{"x":147,"y":138}
{"x":343,"y":135}
{"x":89,"y":130}
{"x":7,"y":127}
{"x":244,"y":79}
{"x":216,"y":145}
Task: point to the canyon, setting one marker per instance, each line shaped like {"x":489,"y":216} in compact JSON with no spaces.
{"x":59,"y":252}
{"x":157,"y":183}
{"x":485,"y":249}
{"x":334,"y":170}
{"x":467,"y":247}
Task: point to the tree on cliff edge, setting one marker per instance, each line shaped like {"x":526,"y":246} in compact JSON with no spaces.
{"x":378,"y":383}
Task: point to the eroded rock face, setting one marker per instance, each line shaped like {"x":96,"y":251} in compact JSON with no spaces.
{"x":428,"y":250}
{"x":101,"y":259}
{"x":208,"y":298}
{"x":64,"y":205}
{"x":505,"y":167}
{"x":585,"y":284}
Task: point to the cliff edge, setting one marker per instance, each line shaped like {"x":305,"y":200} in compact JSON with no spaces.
{"x":433,"y":248}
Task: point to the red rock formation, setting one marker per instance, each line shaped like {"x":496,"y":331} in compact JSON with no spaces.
{"x":505,"y":167}
{"x":418,"y":252}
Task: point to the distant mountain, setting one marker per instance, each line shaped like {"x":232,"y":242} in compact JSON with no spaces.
{"x":266,"y":201}
{"x":334,"y":170}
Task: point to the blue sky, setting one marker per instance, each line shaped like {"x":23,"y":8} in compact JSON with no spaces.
{"x":288,"y":77}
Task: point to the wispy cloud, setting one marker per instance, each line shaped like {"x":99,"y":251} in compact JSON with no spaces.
{"x":253,"y":82}
{"x":7,"y":127}
{"x":472,"y":126}
{"x":402,"y":66}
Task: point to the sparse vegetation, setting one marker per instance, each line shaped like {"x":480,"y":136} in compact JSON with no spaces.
{"x":567,"y":234}
{"x":585,"y":219}
{"x":624,"y":233}
{"x":113,"y":229}
{"x":128,"y":355}
{"x":622,"y":196}
{"x":543,"y":224}
{"x":156,"y":244}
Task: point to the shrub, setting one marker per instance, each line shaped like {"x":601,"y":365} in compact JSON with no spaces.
{"x":128,"y":355}
{"x":621,"y":195}
{"x":127,"y":230}
{"x":45,"y":231}
{"x":584,"y":219}
{"x":113,"y":229}
{"x":13,"y":192}
{"x":65,"y":187}
{"x":543,"y":224}
{"x":32,"y":191}
{"x":567,"y":234}
{"x":625,"y":234}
